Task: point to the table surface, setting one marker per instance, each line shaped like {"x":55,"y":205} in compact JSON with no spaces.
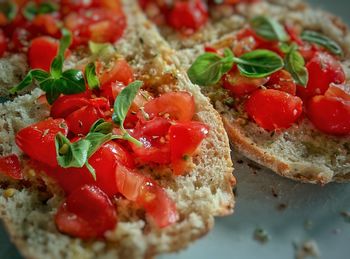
{"x":289,"y":213}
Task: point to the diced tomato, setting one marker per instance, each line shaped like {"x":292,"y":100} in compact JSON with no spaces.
{"x":282,"y":80}
{"x":3,"y":43}
{"x":10,"y":166}
{"x":179,"y":106}
{"x":67,"y":104}
{"x":41,"y":53}
{"x":330,"y":114}
{"x":323,"y":70}
{"x":46,"y":24}
{"x":211,"y":49}
{"x":38,"y":140}
{"x":119,"y":72}
{"x":147,"y":194}
{"x":239,"y":85}
{"x":188,"y":15}
{"x":81,"y":120}
{"x":272,"y":109}
{"x":95,"y":24}
{"x":86,"y":213}
{"x":339,"y":91}
{"x":152,"y":134}
{"x":184,"y":141}
{"x":105,"y":160}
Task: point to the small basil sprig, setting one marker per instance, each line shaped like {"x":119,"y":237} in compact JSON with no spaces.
{"x":32,"y":9}
{"x":57,"y":81}
{"x":208,"y":68}
{"x":77,"y":154}
{"x":9,"y":9}
{"x":122,"y":105}
{"x":295,"y":64}
{"x":322,"y":40}
{"x":91,"y":77}
{"x":269,"y":28}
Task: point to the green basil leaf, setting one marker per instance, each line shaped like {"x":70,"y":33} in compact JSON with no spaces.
{"x":40,"y":75}
{"x":102,"y":50}
{"x":56,"y":67}
{"x":259,"y":63}
{"x":32,"y":9}
{"x":96,"y":140}
{"x":269,"y":28}
{"x":71,"y":154}
{"x":295,"y":65}
{"x":65,"y":42}
{"x":208,"y":68}
{"x":47,"y":7}
{"x":91,"y":77}
{"x":74,"y":82}
{"x":101,"y":126}
{"x":52,"y":89}
{"x":123,"y":102}
{"x":322,"y":40}
{"x":9,"y":9}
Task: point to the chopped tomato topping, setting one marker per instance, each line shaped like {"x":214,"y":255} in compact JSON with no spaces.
{"x":179,"y":106}
{"x":47,"y":24}
{"x":323,"y":70}
{"x":10,"y":166}
{"x":86,"y":213}
{"x":282,"y":80}
{"x":119,"y":72}
{"x":330,"y":114}
{"x":147,"y":194}
{"x":3,"y":43}
{"x":339,"y":91}
{"x":188,"y":15}
{"x":184,"y":141}
{"x":42,"y":51}
{"x":38,"y":140}
{"x":239,"y":85}
{"x":272,"y":109}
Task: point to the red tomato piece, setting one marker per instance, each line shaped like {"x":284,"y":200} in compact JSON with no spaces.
{"x":155,"y":147}
{"x":184,"y":141}
{"x":272,"y":109}
{"x":81,"y":120}
{"x":103,"y":26}
{"x":3,"y":43}
{"x":339,"y":91}
{"x":41,"y":53}
{"x":105,"y":160}
{"x":38,"y":140}
{"x":239,"y":85}
{"x":188,"y":15}
{"x":147,"y":194}
{"x":67,"y":104}
{"x":330,"y":114}
{"x":179,"y":106}
{"x":46,"y":24}
{"x":86,"y":213}
{"x":323,"y":70}
{"x":10,"y":166}
{"x":282,"y":80}
{"x":119,"y":72}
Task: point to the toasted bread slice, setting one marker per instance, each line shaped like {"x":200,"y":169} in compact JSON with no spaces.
{"x":302,"y":152}
{"x":205,"y":192}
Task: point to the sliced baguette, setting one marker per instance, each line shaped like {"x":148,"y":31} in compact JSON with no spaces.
{"x":302,"y":152}
{"x":200,"y":195}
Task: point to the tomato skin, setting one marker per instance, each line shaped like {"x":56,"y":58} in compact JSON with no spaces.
{"x":38,"y":140}
{"x":239,"y":85}
{"x":339,"y":91}
{"x":272,"y":109}
{"x":3,"y":43}
{"x":184,"y":141}
{"x":121,"y":72}
{"x":86,"y":213}
{"x":42,"y":51}
{"x":67,"y":104}
{"x":282,"y":80}
{"x":10,"y":166}
{"x":188,"y":15}
{"x":329,"y":114}
{"x":323,"y":70}
{"x":147,"y":194}
{"x":179,"y":105}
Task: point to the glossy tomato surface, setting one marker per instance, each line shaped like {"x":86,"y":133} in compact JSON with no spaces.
{"x":272,"y":109}
{"x":282,"y":80}
{"x":38,"y":140}
{"x":11,"y":166}
{"x":42,"y":51}
{"x":86,"y":213}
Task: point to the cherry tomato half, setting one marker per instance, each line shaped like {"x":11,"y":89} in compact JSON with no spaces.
{"x":282,"y":80}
